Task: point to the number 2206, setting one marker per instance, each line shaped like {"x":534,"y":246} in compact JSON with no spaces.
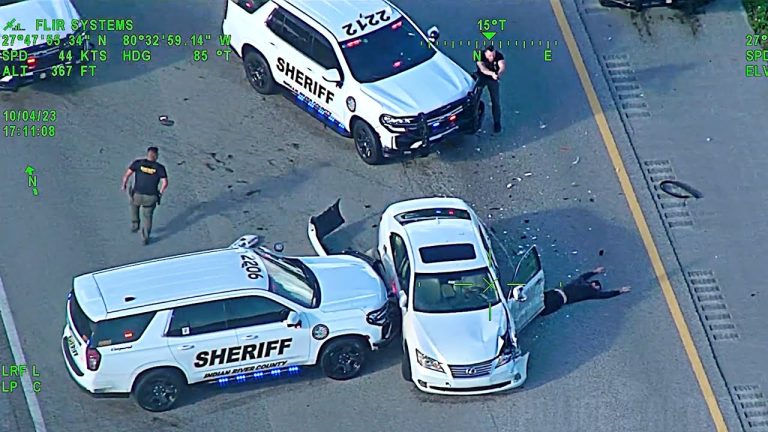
{"x":251,"y":267}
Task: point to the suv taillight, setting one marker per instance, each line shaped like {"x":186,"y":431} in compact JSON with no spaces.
{"x":93,"y":358}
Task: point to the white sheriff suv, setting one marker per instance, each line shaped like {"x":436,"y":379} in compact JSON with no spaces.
{"x":460,"y":319}
{"x":238,"y":314}
{"x":27,"y":53}
{"x":361,"y":66}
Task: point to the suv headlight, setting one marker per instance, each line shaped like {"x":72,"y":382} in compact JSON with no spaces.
{"x":428,"y":362}
{"x":392,"y":121}
{"x":508,"y":352}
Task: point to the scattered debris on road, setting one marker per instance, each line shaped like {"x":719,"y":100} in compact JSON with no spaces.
{"x":679,"y":189}
{"x":165,"y":121}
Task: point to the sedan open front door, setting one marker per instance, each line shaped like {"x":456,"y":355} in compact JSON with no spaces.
{"x":526,"y":298}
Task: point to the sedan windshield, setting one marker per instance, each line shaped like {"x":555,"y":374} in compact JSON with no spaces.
{"x":454,"y":292}
{"x":289,"y":278}
{"x":385,"y":52}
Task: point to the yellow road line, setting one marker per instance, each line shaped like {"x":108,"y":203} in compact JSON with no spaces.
{"x":642,"y":225}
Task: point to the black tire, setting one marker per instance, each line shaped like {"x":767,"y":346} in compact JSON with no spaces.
{"x":158,"y":390}
{"x":367,"y":143}
{"x":480,"y":116}
{"x":258,"y":73}
{"x":343,"y":358}
{"x":405,"y":365}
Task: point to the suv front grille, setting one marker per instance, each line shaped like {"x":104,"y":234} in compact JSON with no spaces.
{"x":442,"y":113}
{"x":472,"y":371}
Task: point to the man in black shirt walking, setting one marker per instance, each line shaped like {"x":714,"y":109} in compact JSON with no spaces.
{"x":578,"y":290}
{"x":144,"y":193}
{"x":489,"y":70}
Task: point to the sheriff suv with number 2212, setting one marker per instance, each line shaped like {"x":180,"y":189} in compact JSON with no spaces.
{"x":362,"y":67}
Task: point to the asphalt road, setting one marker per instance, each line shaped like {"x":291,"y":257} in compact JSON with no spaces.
{"x":239,"y":163}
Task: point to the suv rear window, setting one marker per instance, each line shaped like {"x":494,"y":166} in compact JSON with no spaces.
{"x":107,"y":332}
{"x":121,"y":330}
{"x":83,"y":325}
{"x":445,"y":253}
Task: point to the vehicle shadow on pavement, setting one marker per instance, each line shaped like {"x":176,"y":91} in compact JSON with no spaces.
{"x":171,"y":17}
{"x":270,"y":188}
{"x":572,"y":337}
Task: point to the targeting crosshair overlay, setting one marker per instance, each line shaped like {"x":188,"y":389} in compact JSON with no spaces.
{"x":489,"y":284}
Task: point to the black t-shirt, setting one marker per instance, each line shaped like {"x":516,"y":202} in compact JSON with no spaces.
{"x":147,"y":177}
{"x":494,"y":65}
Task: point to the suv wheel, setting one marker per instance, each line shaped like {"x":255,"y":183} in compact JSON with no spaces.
{"x":367,"y":143}
{"x":258,"y":73}
{"x":158,"y":390}
{"x":405,"y":365}
{"x":343,"y":359}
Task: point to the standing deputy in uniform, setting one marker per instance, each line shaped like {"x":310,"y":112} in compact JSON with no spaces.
{"x":578,"y":290}
{"x":489,"y":70}
{"x":144,"y":194}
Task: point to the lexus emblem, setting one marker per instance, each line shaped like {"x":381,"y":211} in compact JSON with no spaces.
{"x":470,"y":371}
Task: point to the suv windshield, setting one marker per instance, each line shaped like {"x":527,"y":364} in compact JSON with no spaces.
{"x":386,"y":52}
{"x":454,"y":292}
{"x":9,"y":2}
{"x":290,"y":278}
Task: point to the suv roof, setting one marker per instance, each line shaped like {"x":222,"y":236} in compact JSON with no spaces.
{"x":161,"y":281}
{"x":333,"y":14}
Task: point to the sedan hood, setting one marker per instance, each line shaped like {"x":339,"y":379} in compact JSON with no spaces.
{"x":346,"y":283}
{"x":424,"y":88}
{"x":26,"y":13}
{"x":461,"y":338}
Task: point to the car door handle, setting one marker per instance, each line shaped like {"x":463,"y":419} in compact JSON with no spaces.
{"x":186,"y":347}
{"x":272,"y":43}
{"x":250,"y":337}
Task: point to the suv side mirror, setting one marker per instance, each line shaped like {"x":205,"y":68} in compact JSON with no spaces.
{"x":403,"y":300}
{"x":433,"y":34}
{"x":332,"y":75}
{"x":293,"y":320}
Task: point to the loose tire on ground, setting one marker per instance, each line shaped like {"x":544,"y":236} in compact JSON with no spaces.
{"x":367,"y":143}
{"x":258,"y":73}
{"x":159,"y":390}
{"x":343,"y":358}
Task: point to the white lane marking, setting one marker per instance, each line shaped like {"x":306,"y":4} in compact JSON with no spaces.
{"x":18,"y":356}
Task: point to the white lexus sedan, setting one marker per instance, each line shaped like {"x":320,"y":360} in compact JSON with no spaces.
{"x":459,"y":320}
